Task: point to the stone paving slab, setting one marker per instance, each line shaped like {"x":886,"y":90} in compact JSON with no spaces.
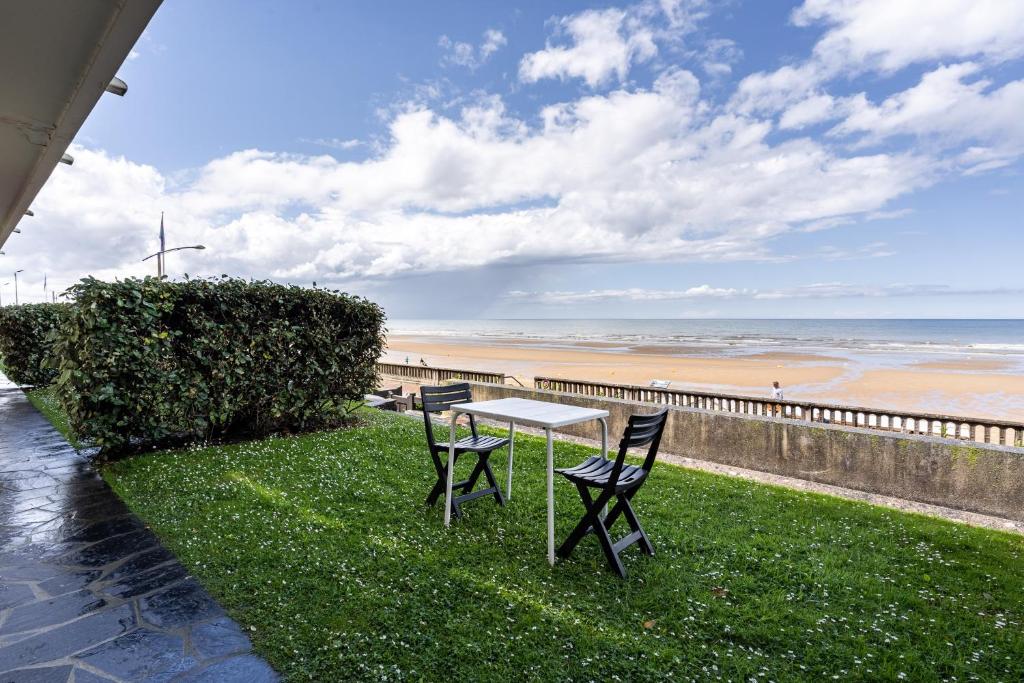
{"x":87,"y":593}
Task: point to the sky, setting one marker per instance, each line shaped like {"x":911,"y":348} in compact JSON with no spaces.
{"x":667,"y":159}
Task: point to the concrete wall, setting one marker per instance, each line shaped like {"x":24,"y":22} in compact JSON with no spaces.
{"x":978,"y":477}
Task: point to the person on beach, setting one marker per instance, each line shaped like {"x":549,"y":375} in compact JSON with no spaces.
{"x":776,"y":391}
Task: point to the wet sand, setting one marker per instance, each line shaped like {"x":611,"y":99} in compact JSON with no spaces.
{"x":978,"y":387}
{"x":970,"y":364}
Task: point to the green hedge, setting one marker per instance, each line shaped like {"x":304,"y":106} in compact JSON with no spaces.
{"x":143,"y":361}
{"x":27,"y":336}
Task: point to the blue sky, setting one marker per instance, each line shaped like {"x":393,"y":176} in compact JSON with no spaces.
{"x":655,"y":159}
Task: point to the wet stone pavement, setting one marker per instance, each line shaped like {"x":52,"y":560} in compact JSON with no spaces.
{"x":87,"y":593}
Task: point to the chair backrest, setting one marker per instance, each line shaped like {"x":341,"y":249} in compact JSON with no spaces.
{"x":440,"y":399}
{"x":642,"y":430}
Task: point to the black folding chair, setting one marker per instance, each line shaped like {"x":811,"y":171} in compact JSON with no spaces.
{"x":615,"y":479}
{"x":439,"y":399}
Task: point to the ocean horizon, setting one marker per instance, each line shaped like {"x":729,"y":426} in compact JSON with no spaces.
{"x":926,"y":336}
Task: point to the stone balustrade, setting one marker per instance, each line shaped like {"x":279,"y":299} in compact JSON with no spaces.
{"x":981,"y":430}
{"x":978,"y":477}
{"x":423,"y":374}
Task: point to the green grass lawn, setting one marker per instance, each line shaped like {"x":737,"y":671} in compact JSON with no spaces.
{"x":322,"y":544}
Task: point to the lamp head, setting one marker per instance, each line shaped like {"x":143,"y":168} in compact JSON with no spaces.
{"x":117,"y":86}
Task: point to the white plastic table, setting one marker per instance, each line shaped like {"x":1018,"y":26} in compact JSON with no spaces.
{"x":542,"y":414}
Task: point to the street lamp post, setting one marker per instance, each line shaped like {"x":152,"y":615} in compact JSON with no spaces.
{"x":3,"y":285}
{"x":161,"y":256}
{"x":22,"y":270}
{"x":160,"y":262}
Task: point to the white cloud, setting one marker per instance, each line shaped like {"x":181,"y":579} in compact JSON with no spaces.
{"x":633,"y":174}
{"x":888,"y":215}
{"x":840,"y":290}
{"x":775,"y":90}
{"x":950,"y":110}
{"x":469,"y":55}
{"x":888,"y":35}
{"x":682,"y":15}
{"x":882,"y":36}
{"x":624,"y":176}
{"x":605,"y":43}
{"x":719,"y":55}
{"x":953,"y":113}
{"x":825,"y":290}
{"x":493,"y":41}
{"x":632,"y":294}
{"x":814,"y":109}
{"x":334,"y":143}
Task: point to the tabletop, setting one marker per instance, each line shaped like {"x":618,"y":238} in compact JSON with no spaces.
{"x":531,"y":413}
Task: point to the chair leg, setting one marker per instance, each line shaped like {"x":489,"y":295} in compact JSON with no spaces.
{"x":617,"y":509}
{"x":592,"y":522}
{"x":483,"y":466}
{"x":624,"y":507}
{"x":609,"y":548}
{"x":585,"y":525}
{"x":485,"y":462}
{"x":466,"y":486}
{"x":436,"y":492}
{"x":634,"y":524}
{"x":441,"y":467}
{"x":475,"y":475}
{"x":613,"y":514}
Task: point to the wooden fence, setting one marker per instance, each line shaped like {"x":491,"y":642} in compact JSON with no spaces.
{"x":981,"y":430}
{"x":423,"y":374}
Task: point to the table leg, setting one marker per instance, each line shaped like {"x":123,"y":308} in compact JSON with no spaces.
{"x":604,"y":453}
{"x":511,"y":448}
{"x":451,"y":471}
{"x":551,"y":500}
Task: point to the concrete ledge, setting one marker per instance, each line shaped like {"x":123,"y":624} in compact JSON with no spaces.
{"x":983,"y":478}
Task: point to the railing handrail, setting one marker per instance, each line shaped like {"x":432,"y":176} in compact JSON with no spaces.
{"x":882,"y":419}
{"x":435,"y":373}
{"x":790,"y":402}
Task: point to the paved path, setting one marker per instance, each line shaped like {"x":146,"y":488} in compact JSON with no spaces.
{"x":87,"y":593}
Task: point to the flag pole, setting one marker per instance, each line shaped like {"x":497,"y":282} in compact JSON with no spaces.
{"x":160,"y":258}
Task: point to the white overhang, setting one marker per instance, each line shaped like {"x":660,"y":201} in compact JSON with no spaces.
{"x":56,"y":59}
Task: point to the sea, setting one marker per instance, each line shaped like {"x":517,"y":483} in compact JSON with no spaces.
{"x":954,"y":338}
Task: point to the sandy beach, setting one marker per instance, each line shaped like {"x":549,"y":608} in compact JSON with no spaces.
{"x":981,"y":387}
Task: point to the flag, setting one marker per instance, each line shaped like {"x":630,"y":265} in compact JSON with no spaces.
{"x":44,"y":283}
{"x":161,"y":231}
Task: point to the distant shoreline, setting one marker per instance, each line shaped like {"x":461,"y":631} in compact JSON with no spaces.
{"x":989,"y":385}
{"x":928,"y":337}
